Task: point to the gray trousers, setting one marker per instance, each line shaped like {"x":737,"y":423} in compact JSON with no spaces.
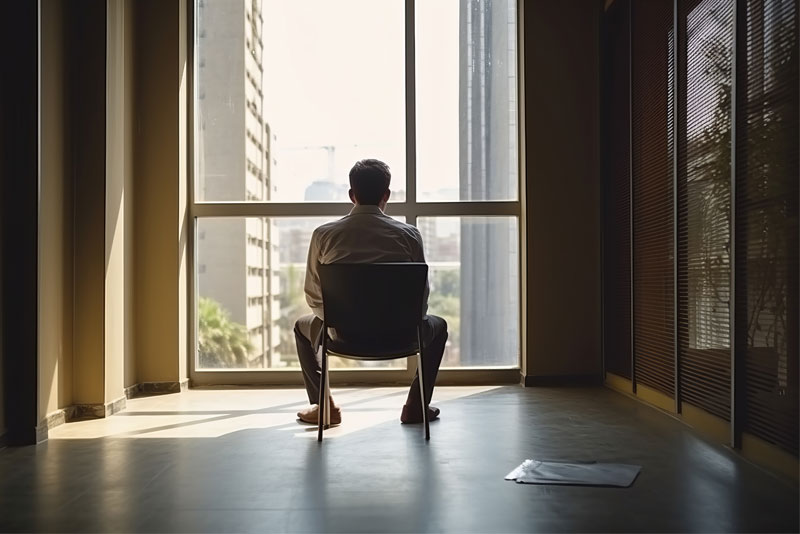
{"x":434,"y":335}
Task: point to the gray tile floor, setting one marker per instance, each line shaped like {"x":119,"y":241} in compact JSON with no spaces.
{"x":235,"y":461}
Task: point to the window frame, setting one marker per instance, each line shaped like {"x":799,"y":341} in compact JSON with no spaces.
{"x":411,"y":208}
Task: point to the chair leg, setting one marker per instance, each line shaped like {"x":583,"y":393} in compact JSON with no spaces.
{"x":420,"y":372}
{"x":327,"y":412}
{"x":323,"y":400}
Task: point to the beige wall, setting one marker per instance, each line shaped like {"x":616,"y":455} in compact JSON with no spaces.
{"x":88,"y":324}
{"x":87,"y":178}
{"x":87,"y":130}
{"x":130,"y":310}
{"x":562,"y":187}
{"x":119,"y":321}
{"x":160,"y":224}
{"x":55,"y":228}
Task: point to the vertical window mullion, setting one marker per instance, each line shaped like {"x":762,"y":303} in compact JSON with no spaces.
{"x":411,"y":116}
{"x":411,"y":131}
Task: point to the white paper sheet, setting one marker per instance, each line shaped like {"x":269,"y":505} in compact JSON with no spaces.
{"x":575,"y":473}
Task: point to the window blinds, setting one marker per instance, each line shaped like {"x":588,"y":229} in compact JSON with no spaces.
{"x":736,"y":67}
{"x":704,"y":214}
{"x":766,"y":260}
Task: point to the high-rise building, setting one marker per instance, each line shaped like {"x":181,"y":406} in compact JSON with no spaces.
{"x":488,"y":171}
{"x":237,"y":257}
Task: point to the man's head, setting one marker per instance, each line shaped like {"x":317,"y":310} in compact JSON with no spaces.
{"x":369,"y":183}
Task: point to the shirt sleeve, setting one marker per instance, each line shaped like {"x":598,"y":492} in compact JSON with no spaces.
{"x":418,"y":255}
{"x":313,"y":288}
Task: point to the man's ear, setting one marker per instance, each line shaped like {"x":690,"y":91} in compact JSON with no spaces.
{"x":352,"y":196}
{"x":386,"y":196}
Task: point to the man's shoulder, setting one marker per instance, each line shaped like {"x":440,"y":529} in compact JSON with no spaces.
{"x":403,"y":228}
{"x":328,"y":226}
{"x":413,"y":230}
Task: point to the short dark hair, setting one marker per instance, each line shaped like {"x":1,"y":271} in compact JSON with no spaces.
{"x":369,"y":180}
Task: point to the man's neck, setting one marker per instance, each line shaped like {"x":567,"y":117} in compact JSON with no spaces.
{"x":369,"y":207}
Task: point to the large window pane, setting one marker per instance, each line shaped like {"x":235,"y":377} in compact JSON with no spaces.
{"x":250,"y":274}
{"x":290,"y":94}
{"x":474,"y":276}
{"x":466,"y":100}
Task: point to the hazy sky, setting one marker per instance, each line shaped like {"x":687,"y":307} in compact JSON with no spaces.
{"x":334,"y":75}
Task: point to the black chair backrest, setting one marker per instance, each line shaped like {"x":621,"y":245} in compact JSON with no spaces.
{"x":373,"y":301}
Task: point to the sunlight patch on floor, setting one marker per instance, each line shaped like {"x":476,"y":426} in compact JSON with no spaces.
{"x":211,"y":413}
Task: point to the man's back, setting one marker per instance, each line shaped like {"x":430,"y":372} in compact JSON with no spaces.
{"x":367,"y":235}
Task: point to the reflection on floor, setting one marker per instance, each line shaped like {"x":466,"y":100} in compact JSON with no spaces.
{"x":236,"y":461}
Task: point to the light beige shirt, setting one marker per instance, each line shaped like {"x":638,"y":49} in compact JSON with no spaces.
{"x":366,"y":235}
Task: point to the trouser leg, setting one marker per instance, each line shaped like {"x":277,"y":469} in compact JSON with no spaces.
{"x":306,"y":335}
{"x":434,"y":337}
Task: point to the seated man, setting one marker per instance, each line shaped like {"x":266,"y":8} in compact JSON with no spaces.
{"x":366,"y":235}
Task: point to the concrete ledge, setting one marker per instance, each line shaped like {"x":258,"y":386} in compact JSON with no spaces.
{"x":156,"y":388}
{"x":131,"y":391}
{"x":619,"y":383}
{"x":52,"y":420}
{"x":706,"y":423}
{"x":561,"y":380}
{"x":76,"y":412}
{"x":770,"y":456}
{"x":97,"y":411}
{"x":659,"y":399}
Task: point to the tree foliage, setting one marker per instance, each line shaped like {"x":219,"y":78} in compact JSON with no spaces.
{"x":766,"y":165}
{"x":221,"y":342}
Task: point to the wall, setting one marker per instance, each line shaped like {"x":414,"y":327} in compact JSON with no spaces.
{"x":55,"y":231}
{"x":87,"y":49}
{"x":19,"y":155}
{"x":159,"y":217}
{"x":86,"y":337}
{"x":562,"y":187}
{"x":130,"y":310}
{"x":2,"y":341}
{"x":119,"y":313}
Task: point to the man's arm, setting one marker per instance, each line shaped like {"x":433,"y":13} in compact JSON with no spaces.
{"x":419,"y":256}
{"x":313,"y":288}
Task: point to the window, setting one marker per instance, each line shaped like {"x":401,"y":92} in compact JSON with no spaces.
{"x":708,"y":131}
{"x":293,"y":94}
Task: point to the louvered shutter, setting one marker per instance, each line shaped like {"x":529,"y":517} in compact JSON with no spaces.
{"x":704,"y":212}
{"x":766,"y":260}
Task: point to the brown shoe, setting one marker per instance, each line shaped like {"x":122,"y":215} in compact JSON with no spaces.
{"x":311,"y":415}
{"x":415,"y":416}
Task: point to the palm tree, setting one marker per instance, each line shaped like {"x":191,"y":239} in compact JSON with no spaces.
{"x":221,"y":342}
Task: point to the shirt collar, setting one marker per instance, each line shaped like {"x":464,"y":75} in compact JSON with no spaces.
{"x":364,"y":208}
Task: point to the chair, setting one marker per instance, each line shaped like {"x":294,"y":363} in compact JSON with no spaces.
{"x":375,"y":311}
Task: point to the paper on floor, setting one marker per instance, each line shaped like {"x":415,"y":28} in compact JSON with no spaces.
{"x":575,"y":473}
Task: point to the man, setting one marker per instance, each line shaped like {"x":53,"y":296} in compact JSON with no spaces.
{"x":366,"y":235}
